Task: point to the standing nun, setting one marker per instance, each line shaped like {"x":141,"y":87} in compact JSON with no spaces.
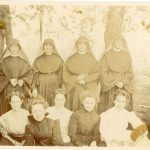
{"x":116,"y":73}
{"x":16,"y":75}
{"x":80,"y":73}
{"x":47,"y":72}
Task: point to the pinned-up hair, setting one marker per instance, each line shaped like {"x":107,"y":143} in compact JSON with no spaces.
{"x":16,"y":93}
{"x":86,"y":93}
{"x":121,"y":92}
{"x":37,"y":100}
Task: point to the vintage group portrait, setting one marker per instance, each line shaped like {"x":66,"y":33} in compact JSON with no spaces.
{"x":74,"y":74}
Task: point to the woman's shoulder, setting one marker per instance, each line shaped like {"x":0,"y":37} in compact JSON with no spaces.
{"x":52,"y":123}
{"x":24,"y":111}
{"x":71,"y":57}
{"x":50,"y":109}
{"x":67,"y":111}
{"x":6,"y":115}
{"x":107,"y":113}
{"x":76,"y":114}
{"x":39,"y":57}
{"x":43,"y":57}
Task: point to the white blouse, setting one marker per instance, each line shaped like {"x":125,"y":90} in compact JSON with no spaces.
{"x":114,"y":123}
{"x":63,"y":114}
{"x":14,"y":122}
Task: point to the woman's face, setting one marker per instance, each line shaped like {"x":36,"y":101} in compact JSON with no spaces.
{"x":120,"y":101}
{"x":59,"y":100}
{"x":89,"y":103}
{"x":15,"y":103}
{"x":14,"y":48}
{"x":48,"y":48}
{"x":118,"y":45}
{"x":82,"y":47}
{"x":38,"y":112}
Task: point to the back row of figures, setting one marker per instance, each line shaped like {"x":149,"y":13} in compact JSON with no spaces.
{"x":80,"y":71}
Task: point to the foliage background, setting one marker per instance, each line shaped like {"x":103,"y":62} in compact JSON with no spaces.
{"x":64,"y":22}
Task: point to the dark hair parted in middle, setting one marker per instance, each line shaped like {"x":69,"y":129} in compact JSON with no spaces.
{"x":86,"y":93}
{"x":37,"y":100}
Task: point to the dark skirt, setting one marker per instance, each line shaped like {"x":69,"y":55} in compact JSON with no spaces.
{"x":47,"y":85}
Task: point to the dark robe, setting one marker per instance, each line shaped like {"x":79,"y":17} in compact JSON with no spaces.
{"x":48,"y":75}
{"x":115,"y":67}
{"x":44,"y":133}
{"x":84,"y":128}
{"x":13,"y":67}
{"x":76,"y":65}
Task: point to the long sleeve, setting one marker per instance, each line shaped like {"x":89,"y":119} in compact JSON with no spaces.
{"x":104,"y":129}
{"x":60,"y":72}
{"x":94,"y":75}
{"x":56,"y":135}
{"x":72,"y":130}
{"x":134,"y":120}
{"x":68,"y":78}
{"x":4,"y":80}
{"x":29,"y":138}
{"x":2,"y":125}
{"x":107,"y":79}
{"x":35,"y":75}
{"x":96,"y":132}
{"x":28,"y":77}
{"x":128,"y":76}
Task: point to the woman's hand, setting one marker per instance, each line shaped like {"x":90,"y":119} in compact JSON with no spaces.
{"x":12,"y":140}
{"x":20,"y":82}
{"x":81,"y":77}
{"x":93,"y":144}
{"x":82,"y":82}
{"x":34,"y":93}
{"x":13,"y":82}
{"x":119,"y":85}
{"x":17,"y":143}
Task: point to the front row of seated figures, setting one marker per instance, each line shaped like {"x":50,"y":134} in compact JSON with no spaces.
{"x":58,"y":126}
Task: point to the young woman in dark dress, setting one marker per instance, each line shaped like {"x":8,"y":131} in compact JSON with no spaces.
{"x":41,"y":131}
{"x":84,"y":123}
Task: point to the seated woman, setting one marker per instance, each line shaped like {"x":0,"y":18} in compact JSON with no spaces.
{"x":63,"y":114}
{"x":114,"y":122}
{"x":12,"y":123}
{"x":84,"y":123}
{"x":41,"y":131}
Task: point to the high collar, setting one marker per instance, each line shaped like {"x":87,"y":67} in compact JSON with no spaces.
{"x":88,"y":112}
{"x":32,"y":120}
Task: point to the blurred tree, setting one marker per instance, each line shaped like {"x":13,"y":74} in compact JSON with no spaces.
{"x":5,"y":26}
{"x":115,"y":18}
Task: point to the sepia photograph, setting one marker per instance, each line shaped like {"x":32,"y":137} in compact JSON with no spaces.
{"x":74,"y":74}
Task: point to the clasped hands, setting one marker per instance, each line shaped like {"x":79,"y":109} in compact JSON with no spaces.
{"x":119,"y":85}
{"x":80,"y":78}
{"x":14,"y":82}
